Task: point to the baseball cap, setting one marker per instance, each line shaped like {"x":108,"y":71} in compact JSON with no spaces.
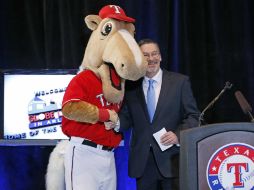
{"x":116,"y":12}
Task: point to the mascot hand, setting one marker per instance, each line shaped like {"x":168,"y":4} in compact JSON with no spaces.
{"x":114,"y":123}
{"x":113,"y":116}
{"x":108,"y":115}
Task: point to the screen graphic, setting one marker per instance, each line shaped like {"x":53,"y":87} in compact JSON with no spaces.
{"x":32,"y":106}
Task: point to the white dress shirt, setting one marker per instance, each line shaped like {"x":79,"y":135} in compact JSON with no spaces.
{"x":156,"y":85}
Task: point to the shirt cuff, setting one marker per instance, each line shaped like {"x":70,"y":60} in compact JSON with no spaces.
{"x":117,"y":126}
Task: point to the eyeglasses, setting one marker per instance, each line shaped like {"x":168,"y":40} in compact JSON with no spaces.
{"x":152,"y":54}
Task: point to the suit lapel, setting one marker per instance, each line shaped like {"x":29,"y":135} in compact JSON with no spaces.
{"x":163,"y":93}
{"x":166,"y":78}
{"x":141,"y":98}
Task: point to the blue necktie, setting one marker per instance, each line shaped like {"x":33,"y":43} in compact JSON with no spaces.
{"x":151,"y":100}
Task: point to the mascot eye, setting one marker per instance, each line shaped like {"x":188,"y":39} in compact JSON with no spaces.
{"x":106,"y":29}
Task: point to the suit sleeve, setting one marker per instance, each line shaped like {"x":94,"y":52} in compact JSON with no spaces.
{"x":190,"y":112}
{"x":125,"y":118}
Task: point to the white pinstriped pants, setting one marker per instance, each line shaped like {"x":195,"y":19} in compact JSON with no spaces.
{"x":89,"y":168}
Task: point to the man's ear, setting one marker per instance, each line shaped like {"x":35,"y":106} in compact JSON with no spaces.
{"x":92,"y":21}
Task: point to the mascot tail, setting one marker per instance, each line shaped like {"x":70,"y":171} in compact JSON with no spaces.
{"x":55,"y":171}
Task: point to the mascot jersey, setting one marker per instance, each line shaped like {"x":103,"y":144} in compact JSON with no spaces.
{"x":86,"y":86}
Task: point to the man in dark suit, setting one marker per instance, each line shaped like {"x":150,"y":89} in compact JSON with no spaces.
{"x":174,"y":108}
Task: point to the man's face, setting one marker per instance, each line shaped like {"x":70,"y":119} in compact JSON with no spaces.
{"x":152,"y":54}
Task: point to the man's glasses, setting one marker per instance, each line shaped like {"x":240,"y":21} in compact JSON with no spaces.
{"x":153,"y":54}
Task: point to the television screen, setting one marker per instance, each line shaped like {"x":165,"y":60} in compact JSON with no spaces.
{"x":32,"y":103}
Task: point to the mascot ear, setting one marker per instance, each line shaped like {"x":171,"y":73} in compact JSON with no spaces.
{"x":92,"y":21}
{"x":131,"y":28}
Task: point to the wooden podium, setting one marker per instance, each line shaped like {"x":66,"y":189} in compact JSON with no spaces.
{"x":217,"y":156}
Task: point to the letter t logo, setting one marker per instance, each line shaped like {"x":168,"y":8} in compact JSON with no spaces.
{"x":117,"y":8}
{"x":238,"y":181}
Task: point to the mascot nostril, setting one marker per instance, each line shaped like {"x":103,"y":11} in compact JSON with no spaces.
{"x":93,"y":98}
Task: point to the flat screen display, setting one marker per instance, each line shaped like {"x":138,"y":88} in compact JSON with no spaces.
{"x":32,"y":103}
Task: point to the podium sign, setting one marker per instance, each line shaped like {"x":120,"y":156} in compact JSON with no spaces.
{"x":217,"y":157}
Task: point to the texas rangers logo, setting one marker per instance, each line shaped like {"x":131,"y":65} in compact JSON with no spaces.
{"x":231,"y":167}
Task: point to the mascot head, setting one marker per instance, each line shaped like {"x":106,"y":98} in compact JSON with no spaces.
{"x":112,"y":52}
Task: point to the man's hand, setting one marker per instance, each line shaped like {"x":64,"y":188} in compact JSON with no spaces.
{"x":169,"y":138}
{"x":109,"y":125}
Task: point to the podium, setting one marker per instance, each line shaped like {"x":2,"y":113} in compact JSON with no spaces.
{"x":217,"y":156}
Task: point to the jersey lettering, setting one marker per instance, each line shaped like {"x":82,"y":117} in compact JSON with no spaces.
{"x":104,"y":102}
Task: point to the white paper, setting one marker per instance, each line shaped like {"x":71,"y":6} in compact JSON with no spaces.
{"x":157,"y":137}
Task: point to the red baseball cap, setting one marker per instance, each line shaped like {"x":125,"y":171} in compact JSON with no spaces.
{"x":116,"y":12}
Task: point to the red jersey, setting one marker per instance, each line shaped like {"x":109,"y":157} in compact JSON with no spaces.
{"x":86,"y":86}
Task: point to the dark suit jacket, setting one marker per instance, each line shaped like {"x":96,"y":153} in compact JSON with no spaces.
{"x":176,"y":109}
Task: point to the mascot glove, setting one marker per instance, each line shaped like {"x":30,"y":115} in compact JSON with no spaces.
{"x":113,"y":116}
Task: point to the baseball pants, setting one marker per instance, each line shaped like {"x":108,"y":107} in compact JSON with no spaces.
{"x":89,"y":168}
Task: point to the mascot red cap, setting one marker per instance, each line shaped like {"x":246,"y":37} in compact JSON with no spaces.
{"x":116,"y":12}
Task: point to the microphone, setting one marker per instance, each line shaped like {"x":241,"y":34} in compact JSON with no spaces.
{"x":244,"y":104}
{"x":227,"y":86}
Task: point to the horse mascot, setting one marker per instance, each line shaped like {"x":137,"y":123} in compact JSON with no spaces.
{"x":91,"y":103}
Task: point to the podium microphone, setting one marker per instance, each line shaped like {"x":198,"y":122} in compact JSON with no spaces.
{"x":244,"y":104}
{"x":228,"y":85}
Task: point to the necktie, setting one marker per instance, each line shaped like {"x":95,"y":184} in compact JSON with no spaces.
{"x":151,"y":100}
